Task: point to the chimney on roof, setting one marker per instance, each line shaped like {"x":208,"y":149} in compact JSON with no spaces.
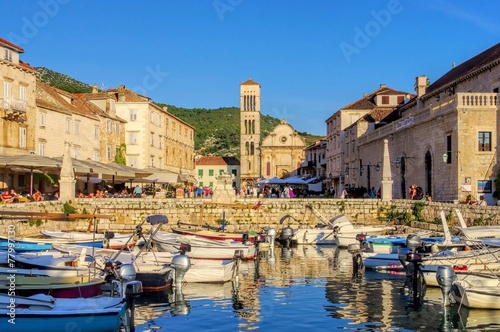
{"x":165,"y":108}
{"x":121,"y":93}
{"x":94,"y":88}
{"x":452,"y":65}
{"x":421,"y":85}
{"x":383,"y":86}
{"x":364,"y":94}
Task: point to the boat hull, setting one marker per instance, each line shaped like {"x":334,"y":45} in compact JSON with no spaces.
{"x":476,"y":297}
{"x":85,"y":315}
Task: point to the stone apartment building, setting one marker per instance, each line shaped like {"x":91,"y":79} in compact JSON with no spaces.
{"x":350,"y":122}
{"x":154,"y":137}
{"x":314,"y":164}
{"x":443,"y":139}
{"x":17,"y":101}
{"x":208,"y":168}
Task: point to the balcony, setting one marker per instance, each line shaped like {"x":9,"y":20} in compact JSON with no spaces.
{"x":13,"y":109}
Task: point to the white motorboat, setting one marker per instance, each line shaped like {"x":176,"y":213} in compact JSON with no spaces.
{"x":200,"y":270}
{"x":339,"y":230}
{"x":203,"y":248}
{"x":476,"y":232}
{"x":110,"y":240}
{"x":472,"y":292}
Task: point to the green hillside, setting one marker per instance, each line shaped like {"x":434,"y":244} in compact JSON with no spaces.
{"x":217,"y":130}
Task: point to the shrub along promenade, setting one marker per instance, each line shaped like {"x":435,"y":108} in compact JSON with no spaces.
{"x":123,"y":214}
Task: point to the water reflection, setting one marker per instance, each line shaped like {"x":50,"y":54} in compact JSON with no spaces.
{"x":314,"y":284}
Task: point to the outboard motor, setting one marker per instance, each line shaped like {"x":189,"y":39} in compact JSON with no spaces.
{"x":270,"y":235}
{"x":107,"y":236}
{"x":445,"y":276}
{"x":244,"y":238}
{"x":181,"y":263}
{"x":286,"y":236}
{"x":413,"y":242}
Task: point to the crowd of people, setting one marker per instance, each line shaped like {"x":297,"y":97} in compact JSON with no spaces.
{"x":11,"y":196}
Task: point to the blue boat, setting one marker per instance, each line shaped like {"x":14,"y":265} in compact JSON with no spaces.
{"x":41,"y":244}
{"x":43,"y":313}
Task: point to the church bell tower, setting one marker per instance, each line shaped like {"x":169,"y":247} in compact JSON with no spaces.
{"x":250,"y":161}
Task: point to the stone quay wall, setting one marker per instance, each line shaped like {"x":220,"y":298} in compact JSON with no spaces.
{"x":241,"y":215}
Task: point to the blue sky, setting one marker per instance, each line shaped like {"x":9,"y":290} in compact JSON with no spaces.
{"x":310,"y":57}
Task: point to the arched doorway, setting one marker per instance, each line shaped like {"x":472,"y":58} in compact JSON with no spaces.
{"x":428,"y":172}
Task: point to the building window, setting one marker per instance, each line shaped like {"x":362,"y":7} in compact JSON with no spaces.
{"x":448,"y":149}
{"x":41,"y":148}
{"x":22,"y":137}
{"x":67,"y":125}
{"x":109,"y":153}
{"x":210,"y":172}
{"x":385,"y":100}
{"x":97,"y":155}
{"x":401,"y":99}
{"x":484,"y":186}
{"x":7,"y":91}
{"x":77,"y":127}
{"x":160,"y":142}
{"x":109,"y":126}
{"x":484,"y":141}
{"x":133,"y":115}
{"x":43,"y":119}
{"x":117,"y":129}
{"x":221,"y":171}
{"x":8,"y":55}
{"x":76,"y":151}
{"x":234,"y":172}
{"x":133,"y":138}
{"x":200,"y":172}
{"x":96,"y":132}
{"x":133,"y":160}
{"x":152,"y":161}
{"x":201,"y":183}
{"x":22,"y":93}
{"x":152,"y":139}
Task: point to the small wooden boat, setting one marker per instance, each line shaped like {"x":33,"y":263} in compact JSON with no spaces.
{"x":41,"y":244}
{"x":202,"y":248}
{"x":44,"y":313}
{"x":215,"y":235}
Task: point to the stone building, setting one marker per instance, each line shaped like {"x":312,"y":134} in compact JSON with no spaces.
{"x":349,"y":123}
{"x":111,"y":129}
{"x":279,"y":154}
{"x":17,"y":101}
{"x":154,"y":137}
{"x":208,"y":168}
{"x":250,"y":140}
{"x":282,"y":152}
{"x":444,"y":139}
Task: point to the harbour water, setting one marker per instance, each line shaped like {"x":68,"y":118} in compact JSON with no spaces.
{"x":306,"y":288}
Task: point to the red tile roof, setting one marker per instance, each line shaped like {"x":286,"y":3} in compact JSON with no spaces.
{"x":27,"y":66}
{"x":216,"y":160}
{"x":367,"y":102}
{"x":11,"y":45}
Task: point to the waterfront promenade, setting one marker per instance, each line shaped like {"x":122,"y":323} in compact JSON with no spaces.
{"x":240,"y":215}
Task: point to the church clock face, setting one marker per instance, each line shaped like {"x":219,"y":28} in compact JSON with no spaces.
{"x":283,"y":139}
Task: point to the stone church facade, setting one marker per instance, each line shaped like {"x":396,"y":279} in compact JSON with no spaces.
{"x":279,"y":154}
